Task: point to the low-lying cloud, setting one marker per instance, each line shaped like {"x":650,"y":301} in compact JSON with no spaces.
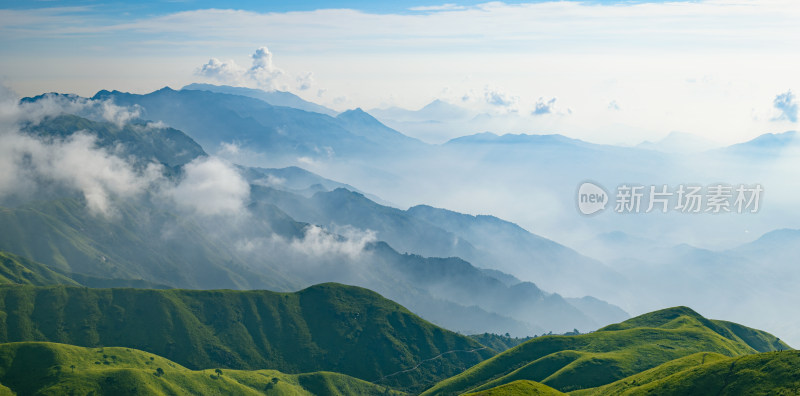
{"x":33,"y":164}
{"x":211,"y":186}
{"x":74,"y":162}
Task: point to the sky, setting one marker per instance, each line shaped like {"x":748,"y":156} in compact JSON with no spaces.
{"x":607,"y":72}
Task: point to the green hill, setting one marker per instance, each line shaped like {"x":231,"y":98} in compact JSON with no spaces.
{"x":519,"y":388}
{"x":41,"y":368}
{"x":569,"y":363}
{"x":19,"y":270}
{"x":328,"y":327}
{"x":654,"y":374}
{"x":769,"y":373}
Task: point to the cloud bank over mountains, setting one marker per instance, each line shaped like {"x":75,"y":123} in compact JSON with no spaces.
{"x":31,"y":165}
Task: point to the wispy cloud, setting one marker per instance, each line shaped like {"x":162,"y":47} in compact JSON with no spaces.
{"x":786,"y":105}
{"x":732,"y":24}
{"x":544,"y":106}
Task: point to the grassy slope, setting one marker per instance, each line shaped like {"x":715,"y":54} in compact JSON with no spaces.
{"x":570,"y":363}
{"x":19,"y":270}
{"x":37,"y":368}
{"x":519,"y":388}
{"x":62,"y":234}
{"x":769,"y":373}
{"x":327,"y":327}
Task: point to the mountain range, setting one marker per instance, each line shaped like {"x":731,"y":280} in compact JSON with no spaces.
{"x":150,"y":241}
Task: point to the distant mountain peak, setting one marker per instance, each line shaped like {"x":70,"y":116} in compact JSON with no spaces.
{"x":357,"y":112}
{"x":766,"y":144}
{"x":273,"y":97}
{"x":513,"y":138}
{"x":364,"y":124}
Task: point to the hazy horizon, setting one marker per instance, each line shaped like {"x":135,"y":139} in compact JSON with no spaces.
{"x":602,"y":71}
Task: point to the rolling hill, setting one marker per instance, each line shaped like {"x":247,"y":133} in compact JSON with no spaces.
{"x":43,"y":368}
{"x":769,"y":373}
{"x":519,"y":388}
{"x":328,"y":327}
{"x":570,"y":363}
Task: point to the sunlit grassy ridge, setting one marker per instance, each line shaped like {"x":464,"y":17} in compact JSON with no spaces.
{"x":768,"y":373}
{"x":38,"y":368}
{"x":328,"y":327}
{"x":569,"y":363}
{"x":519,"y":388}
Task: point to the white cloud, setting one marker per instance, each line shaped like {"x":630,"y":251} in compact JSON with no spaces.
{"x":211,"y":186}
{"x":261,"y":74}
{"x":305,"y":82}
{"x":544,"y":106}
{"x":224,"y":71}
{"x":51,"y":105}
{"x":786,"y":105}
{"x":75,"y":162}
{"x":495,"y":97}
{"x":317,"y":242}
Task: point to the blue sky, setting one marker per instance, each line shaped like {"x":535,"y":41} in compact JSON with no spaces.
{"x":145,"y":8}
{"x":611,"y":71}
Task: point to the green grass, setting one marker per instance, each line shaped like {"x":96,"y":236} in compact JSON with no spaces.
{"x":570,"y":363}
{"x":328,"y":327}
{"x":19,"y":270}
{"x":768,"y":373}
{"x":40,"y":368}
{"x":654,"y":374}
{"x":519,"y":388}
